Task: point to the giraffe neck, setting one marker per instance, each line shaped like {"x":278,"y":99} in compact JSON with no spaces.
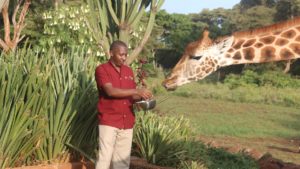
{"x":276,"y":45}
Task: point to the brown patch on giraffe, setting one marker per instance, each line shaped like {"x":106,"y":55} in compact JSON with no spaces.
{"x":267,"y":40}
{"x":238,"y":44}
{"x":289,"y":34}
{"x":298,"y":38}
{"x":198,"y":70}
{"x":248,"y":53}
{"x":286,"y":54}
{"x":298,"y":28}
{"x":192,"y":78}
{"x":277,"y":33}
{"x":249,"y":43}
{"x":267,"y":53}
{"x":228,"y":56}
{"x":281,"y":42}
{"x":208,"y":70}
{"x":295,"y":47}
{"x":231,"y":50}
{"x":259,"y":45}
{"x":237,"y":56}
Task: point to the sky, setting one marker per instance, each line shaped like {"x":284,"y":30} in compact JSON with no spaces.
{"x":196,"y":6}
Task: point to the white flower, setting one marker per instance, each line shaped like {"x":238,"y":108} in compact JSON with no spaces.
{"x":81,"y":40}
{"x":72,"y":15}
{"x":61,"y":16}
{"x":44,"y":16}
{"x":89,"y":51}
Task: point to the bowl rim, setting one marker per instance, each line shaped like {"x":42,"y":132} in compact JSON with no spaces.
{"x":145,"y":101}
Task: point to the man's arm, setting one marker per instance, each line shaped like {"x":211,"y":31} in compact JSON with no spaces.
{"x":119,"y":93}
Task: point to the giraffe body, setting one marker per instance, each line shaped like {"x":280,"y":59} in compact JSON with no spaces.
{"x":276,"y":42}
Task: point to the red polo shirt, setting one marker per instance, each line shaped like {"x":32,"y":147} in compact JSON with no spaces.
{"x":115,"y":112}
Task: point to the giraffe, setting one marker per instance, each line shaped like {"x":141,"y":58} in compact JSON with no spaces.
{"x":277,"y":42}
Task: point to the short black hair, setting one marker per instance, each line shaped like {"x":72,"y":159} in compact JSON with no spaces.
{"x":116,"y":44}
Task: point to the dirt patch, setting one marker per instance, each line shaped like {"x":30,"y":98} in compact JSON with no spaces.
{"x":271,"y":153}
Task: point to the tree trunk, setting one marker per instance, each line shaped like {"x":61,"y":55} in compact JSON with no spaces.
{"x":287,"y":66}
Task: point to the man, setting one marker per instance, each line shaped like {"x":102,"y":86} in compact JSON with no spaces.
{"x":117,"y":92}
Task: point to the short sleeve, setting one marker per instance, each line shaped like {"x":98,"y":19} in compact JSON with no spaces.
{"x":101,"y":76}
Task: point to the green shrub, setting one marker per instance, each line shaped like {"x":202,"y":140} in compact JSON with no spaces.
{"x":270,"y":78}
{"x":158,"y":139}
{"x":214,"y":158}
{"x":49,"y":97}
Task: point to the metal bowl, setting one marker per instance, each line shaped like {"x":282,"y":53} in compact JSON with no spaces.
{"x":145,"y":104}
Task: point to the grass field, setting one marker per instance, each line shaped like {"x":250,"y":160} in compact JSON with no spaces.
{"x":266,"y":119}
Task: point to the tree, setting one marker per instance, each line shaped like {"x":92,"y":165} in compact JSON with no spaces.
{"x":246,"y":4}
{"x":10,"y":43}
{"x":283,"y":10}
{"x":121,"y":20}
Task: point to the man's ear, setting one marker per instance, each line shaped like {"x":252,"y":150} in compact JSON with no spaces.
{"x":110,"y":54}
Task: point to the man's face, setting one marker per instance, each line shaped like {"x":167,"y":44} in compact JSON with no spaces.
{"x":118,"y":55}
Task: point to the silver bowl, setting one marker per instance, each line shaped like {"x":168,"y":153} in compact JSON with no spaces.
{"x":145,"y":104}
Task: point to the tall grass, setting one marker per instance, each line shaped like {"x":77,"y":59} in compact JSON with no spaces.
{"x":47,"y":101}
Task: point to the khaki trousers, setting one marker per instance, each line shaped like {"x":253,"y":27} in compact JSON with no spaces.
{"x":115,"y":148}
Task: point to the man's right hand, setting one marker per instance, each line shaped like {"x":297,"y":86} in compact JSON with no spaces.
{"x":144,"y":93}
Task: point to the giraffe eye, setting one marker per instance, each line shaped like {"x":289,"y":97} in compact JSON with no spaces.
{"x":196,"y":57}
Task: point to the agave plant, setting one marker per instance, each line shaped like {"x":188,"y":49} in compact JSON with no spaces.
{"x":159,"y":139}
{"x":19,"y":101}
{"x":47,"y":103}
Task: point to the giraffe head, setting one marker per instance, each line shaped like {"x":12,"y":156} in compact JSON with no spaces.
{"x":199,"y":59}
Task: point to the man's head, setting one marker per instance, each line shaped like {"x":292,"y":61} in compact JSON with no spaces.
{"x":118,"y":52}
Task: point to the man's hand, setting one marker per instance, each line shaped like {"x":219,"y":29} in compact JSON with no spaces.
{"x":144,"y":93}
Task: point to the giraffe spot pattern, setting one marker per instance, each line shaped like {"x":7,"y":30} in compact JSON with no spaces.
{"x":248,"y":53}
{"x":259,"y":45}
{"x":227,"y":56}
{"x":277,"y":32}
{"x":289,"y":34}
{"x":198,"y":70}
{"x":281,"y":42}
{"x":267,"y":53}
{"x":298,"y":28}
{"x":192,"y":78}
{"x":208,"y":70}
{"x":295,"y":47}
{"x":298,"y":38}
{"x":267,"y":40}
{"x":286,"y":53}
{"x":249,"y":43}
{"x":237,"y":56}
{"x":238,"y":44}
{"x":231,"y":50}
{"x":223,"y":62}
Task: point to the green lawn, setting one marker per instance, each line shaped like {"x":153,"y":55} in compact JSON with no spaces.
{"x":266,"y":119}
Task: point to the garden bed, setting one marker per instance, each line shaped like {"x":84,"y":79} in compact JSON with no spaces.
{"x":135,"y":163}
